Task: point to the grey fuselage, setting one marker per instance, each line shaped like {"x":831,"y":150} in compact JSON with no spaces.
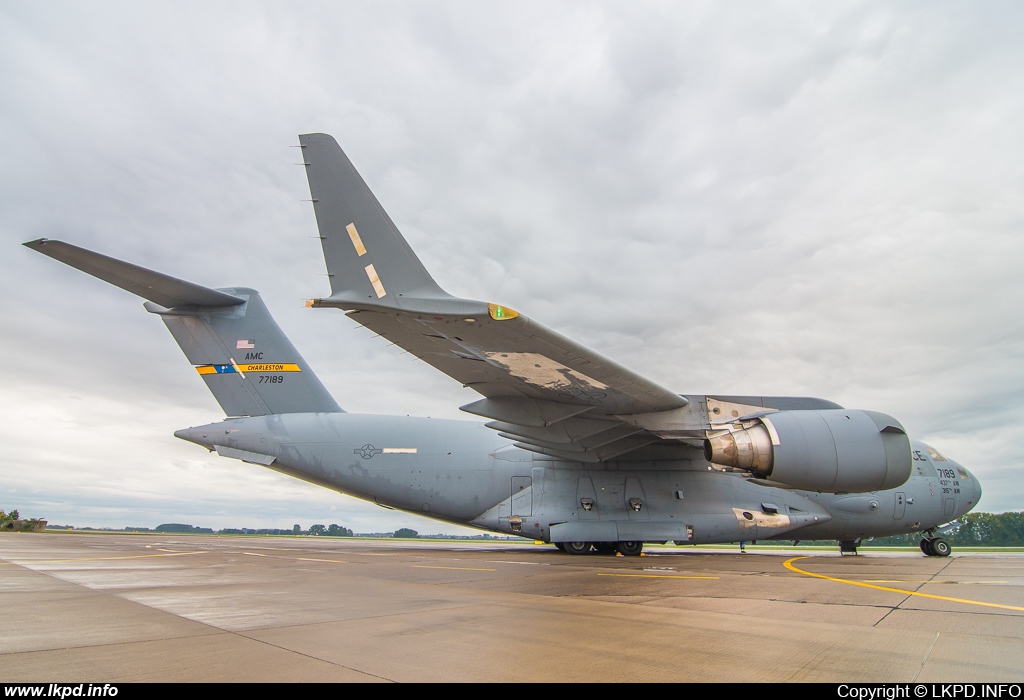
{"x":463,"y":472}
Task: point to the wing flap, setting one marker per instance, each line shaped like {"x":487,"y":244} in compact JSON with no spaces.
{"x":523,"y":411}
{"x":588,"y":445}
{"x":567,"y":431}
{"x":600,"y":454}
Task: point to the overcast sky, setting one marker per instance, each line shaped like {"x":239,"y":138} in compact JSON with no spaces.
{"x":819,"y":199}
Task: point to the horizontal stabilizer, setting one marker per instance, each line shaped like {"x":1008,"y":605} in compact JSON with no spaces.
{"x":157,"y":287}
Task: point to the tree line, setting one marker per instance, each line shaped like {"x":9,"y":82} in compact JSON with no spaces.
{"x":973,"y":530}
{"x":332,"y":530}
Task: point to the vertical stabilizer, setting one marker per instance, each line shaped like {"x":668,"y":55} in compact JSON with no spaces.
{"x":227,"y":334}
{"x":247,"y":362}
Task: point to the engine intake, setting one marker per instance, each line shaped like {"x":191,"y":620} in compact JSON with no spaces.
{"x":828,"y":450}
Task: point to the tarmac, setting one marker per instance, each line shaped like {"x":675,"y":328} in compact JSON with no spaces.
{"x":118,"y":608}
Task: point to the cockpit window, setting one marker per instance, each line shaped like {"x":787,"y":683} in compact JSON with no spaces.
{"x":963,"y":473}
{"x":936,"y":455}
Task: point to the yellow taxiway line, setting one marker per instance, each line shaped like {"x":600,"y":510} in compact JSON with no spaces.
{"x":954,"y":583}
{"x":789,"y":565}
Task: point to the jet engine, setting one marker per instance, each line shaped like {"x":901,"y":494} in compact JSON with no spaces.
{"x":832,"y":450}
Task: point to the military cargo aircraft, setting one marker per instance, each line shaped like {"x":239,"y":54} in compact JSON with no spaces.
{"x":577,"y":450}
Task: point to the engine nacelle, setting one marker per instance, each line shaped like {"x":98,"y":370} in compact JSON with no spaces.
{"x":830,"y":450}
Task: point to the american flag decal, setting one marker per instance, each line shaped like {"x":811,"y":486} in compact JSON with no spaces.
{"x":245,"y":345}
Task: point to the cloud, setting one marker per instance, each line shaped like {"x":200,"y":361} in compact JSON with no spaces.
{"x":791,"y":199}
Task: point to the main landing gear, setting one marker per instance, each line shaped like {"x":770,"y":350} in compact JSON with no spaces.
{"x":626,"y":549}
{"x":848,"y":547}
{"x":576,"y":547}
{"x":935,"y":547}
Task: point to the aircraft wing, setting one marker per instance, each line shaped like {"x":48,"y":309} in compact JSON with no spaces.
{"x":543,"y":391}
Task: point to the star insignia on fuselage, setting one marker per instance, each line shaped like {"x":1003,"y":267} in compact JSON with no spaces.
{"x":367,"y":451}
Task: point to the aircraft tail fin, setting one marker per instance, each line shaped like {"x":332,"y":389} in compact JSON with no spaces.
{"x":368,"y":260}
{"x":228,"y":335}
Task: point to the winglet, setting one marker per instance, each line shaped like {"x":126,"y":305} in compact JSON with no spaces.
{"x":367,"y":258}
{"x":157,"y":287}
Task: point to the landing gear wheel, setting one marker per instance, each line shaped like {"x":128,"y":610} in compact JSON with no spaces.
{"x":630,"y":549}
{"x":940,"y":547}
{"x":576,"y":547}
{"x":926,"y":547}
{"x":560,"y":546}
{"x":606,"y":547}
